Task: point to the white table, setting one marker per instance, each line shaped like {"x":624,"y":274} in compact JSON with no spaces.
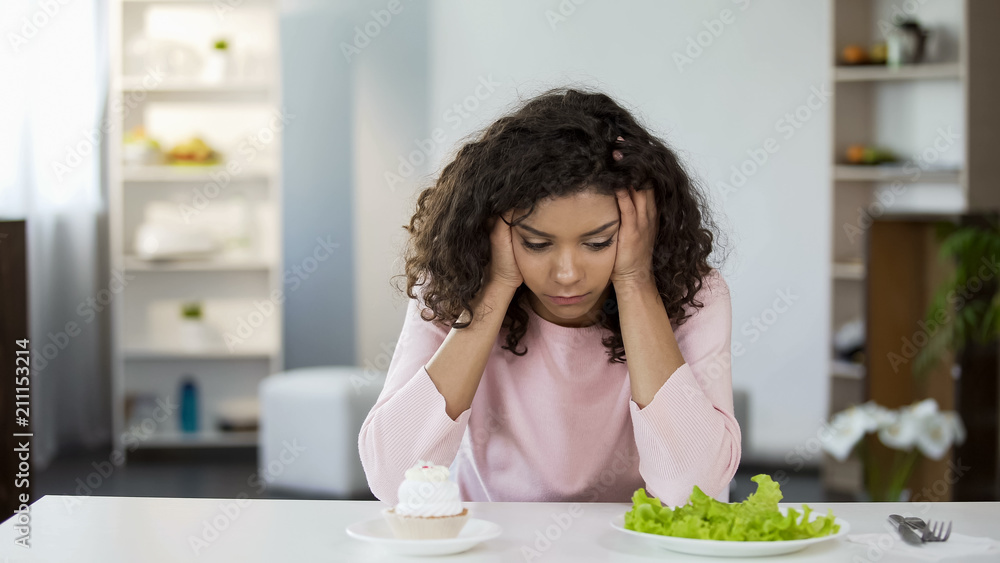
{"x":148,"y":530}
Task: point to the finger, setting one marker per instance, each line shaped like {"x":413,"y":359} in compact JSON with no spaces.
{"x":647,"y":208}
{"x":641,"y":207}
{"x":627,"y":208}
{"x":651,"y":210}
{"x":506,"y":231}
{"x":499,"y":227}
{"x":641,"y":213}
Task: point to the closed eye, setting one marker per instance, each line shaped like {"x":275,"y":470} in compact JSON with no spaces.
{"x":592,"y":245}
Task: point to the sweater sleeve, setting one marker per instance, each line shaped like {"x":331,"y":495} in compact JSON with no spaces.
{"x":409,"y":422}
{"x":688,"y":435}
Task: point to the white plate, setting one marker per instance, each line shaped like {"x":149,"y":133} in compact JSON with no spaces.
{"x":377,"y":531}
{"x":720,"y":548}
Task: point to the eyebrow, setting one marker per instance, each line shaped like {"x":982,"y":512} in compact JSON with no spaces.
{"x":584,"y":235}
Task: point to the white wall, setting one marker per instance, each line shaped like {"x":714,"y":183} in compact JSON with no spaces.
{"x":317,"y":185}
{"x":730,"y":99}
{"x":389,"y":78}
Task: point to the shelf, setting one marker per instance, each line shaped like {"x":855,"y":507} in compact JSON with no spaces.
{"x":149,"y":344}
{"x":181,"y":173}
{"x":193,"y":85}
{"x":889,"y":172}
{"x":875,"y":73}
{"x":162,"y":353}
{"x":846,"y":369}
{"x":848,"y":270}
{"x":136,"y":264}
{"x":208,"y":438}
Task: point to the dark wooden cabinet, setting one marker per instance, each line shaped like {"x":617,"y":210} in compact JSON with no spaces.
{"x":13,"y":327}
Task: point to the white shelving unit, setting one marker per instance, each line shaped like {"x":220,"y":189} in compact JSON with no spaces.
{"x":938,"y":116}
{"x":922,"y":71}
{"x":156,"y":82}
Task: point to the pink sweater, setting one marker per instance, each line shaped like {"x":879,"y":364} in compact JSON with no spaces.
{"x":559,"y":424}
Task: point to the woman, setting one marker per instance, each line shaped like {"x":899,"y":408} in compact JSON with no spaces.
{"x":576,"y":349}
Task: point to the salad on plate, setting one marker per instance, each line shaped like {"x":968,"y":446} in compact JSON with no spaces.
{"x":756,"y":519}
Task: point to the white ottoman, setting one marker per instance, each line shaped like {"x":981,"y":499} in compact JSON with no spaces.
{"x":310,"y":419}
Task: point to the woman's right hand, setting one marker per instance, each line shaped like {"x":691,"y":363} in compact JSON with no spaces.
{"x":503,"y":268}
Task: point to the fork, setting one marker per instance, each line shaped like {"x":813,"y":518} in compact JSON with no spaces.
{"x":940,"y":531}
{"x":937,"y":532}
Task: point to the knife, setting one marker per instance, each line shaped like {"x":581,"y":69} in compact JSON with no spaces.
{"x":915,"y":522}
{"x":905,"y":531}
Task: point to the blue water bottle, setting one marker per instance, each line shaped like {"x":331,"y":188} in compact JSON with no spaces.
{"x":189,"y":405}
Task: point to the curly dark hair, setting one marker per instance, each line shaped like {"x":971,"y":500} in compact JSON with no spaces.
{"x":555,"y":144}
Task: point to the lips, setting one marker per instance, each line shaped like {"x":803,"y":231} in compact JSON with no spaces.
{"x":558,"y":300}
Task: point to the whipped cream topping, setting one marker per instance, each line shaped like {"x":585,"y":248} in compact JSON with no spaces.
{"x":427,"y":471}
{"x":427,"y":491}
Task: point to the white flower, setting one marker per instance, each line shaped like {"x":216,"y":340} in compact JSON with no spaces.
{"x":923,"y":408}
{"x":901,"y":433}
{"x":938,"y":433}
{"x":919,"y":424}
{"x":923,"y":426}
{"x":954,"y":422}
{"x":934,"y":437}
{"x":845,"y":429}
{"x":878,"y":416}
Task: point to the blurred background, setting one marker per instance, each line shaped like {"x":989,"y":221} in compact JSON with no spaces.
{"x":201,"y":206}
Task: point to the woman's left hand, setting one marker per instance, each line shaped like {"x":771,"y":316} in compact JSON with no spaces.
{"x":636,"y":237}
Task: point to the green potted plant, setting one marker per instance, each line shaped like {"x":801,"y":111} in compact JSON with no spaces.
{"x":960,"y":311}
{"x":195,"y":334}
{"x":218,"y":65}
{"x":191,"y":310}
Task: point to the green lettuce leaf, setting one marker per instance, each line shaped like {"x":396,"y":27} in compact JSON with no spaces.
{"x":755,"y":519}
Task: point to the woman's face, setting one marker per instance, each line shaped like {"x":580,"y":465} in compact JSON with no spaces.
{"x":567,"y":248}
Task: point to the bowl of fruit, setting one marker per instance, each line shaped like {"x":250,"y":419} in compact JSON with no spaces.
{"x":140,"y":149}
{"x":865,"y":154}
{"x":193,"y":152}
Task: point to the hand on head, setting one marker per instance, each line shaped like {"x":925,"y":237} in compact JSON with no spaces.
{"x":503,"y":268}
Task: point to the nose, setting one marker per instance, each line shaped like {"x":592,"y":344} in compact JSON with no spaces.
{"x":567,"y":271}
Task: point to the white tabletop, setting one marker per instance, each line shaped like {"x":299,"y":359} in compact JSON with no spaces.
{"x":150,"y":529}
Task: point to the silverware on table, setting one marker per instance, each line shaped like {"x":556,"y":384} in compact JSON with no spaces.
{"x":906,"y":532}
{"x":915,"y":522}
{"x":939,"y":532}
{"x":929,"y":531}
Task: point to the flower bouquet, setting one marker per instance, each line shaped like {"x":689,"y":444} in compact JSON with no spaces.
{"x":912,"y":430}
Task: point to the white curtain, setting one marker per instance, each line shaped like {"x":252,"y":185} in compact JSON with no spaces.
{"x":53,"y":87}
